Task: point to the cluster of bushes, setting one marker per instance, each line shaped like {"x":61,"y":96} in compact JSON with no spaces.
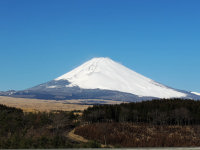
{"x":141,"y":135}
{"x":30,"y":142}
{"x":35,"y":130}
{"x":159,"y":112}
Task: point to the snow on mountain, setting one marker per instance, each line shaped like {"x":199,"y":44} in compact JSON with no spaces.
{"x":104,"y":73}
{"x":196,"y":93}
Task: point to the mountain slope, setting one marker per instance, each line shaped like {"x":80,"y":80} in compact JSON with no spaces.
{"x":196,"y":93}
{"x":103,"y":78}
{"x":103,"y":73}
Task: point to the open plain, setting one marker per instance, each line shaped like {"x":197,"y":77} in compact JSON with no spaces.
{"x":35,"y":105}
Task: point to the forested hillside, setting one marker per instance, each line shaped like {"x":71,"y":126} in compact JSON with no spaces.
{"x":159,"y":112}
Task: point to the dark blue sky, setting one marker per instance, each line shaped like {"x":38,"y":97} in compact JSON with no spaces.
{"x":43,"y":39}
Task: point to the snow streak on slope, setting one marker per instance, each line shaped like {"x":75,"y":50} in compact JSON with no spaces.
{"x":104,"y":73}
{"x":195,"y":93}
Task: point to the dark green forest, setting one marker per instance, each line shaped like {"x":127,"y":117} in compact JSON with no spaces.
{"x":158,"y":112}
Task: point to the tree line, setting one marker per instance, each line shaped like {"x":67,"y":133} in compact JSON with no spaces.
{"x":159,"y":112}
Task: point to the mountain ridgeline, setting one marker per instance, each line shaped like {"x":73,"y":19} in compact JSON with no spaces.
{"x":102,"y":78}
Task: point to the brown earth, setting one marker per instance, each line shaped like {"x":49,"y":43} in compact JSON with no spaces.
{"x":74,"y":137}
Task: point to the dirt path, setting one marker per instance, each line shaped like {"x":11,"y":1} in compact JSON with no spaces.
{"x":71,"y":135}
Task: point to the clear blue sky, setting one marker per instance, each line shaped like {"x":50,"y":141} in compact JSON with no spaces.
{"x":43,"y":39}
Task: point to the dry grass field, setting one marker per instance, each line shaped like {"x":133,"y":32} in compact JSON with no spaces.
{"x":35,"y":105}
{"x":141,"y":135}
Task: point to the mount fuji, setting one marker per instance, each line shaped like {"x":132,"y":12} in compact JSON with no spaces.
{"x":103,"y":78}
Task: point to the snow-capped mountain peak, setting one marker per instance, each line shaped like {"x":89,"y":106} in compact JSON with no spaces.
{"x":89,"y":67}
{"x":102,"y":79}
{"x":104,"y":73}
{"x":196,"y":93}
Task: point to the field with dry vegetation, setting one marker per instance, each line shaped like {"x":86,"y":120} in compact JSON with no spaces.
{"x":156,"y":123}
{"x":36,"y":105}
{"x":141,"y":135}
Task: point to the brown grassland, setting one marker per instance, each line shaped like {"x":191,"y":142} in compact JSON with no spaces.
{"x":36,"y":105}
{"x":141,"y":135}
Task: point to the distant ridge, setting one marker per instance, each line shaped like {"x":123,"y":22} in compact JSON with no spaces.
{"x":196,"y":93}
{"x":103,"y":78}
